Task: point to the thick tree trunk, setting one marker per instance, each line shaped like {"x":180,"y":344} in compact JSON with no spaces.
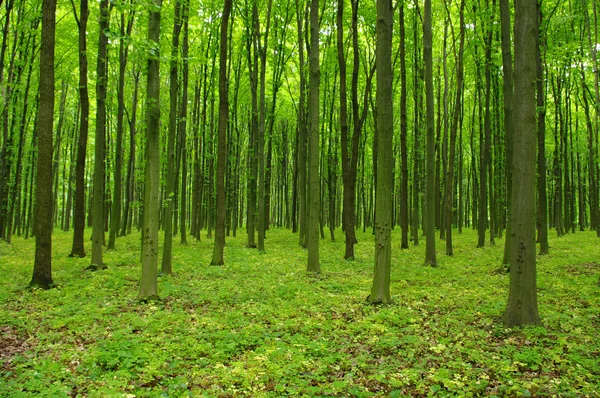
{"x":521,"y":308}
{"x":380,"y":290}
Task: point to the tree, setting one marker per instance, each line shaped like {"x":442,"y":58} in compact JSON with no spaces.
{"x":173,"y":96}
{"x":42,"y":266}
{"x":222,"y":139}
{"x":541,"y":138}
{"x":449,"y":184}
{"x":507,"y":67}
{"x":115,"y":214}
{"x":380,"y":291}
{"x":313,"y":143}
{"x":430,"y":254}
{"x":403,"y":135}
{"x":148,"y":285}
{"x":100,"y":142}
{"x":262,"y":52}
{"x":521,"y":308}
{"x":78,"y":249}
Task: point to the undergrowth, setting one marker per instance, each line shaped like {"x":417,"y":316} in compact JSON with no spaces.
{"x":260,"y":326}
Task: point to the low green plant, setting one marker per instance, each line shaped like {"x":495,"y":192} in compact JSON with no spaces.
{"x":260,"y":326}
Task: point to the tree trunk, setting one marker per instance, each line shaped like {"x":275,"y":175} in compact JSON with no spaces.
{"x":508,"y":114}
{"x":166,"y":266}
{"x":182,"y":129}
{"x":541,"y":142}
{"x":380,"y":290}
{"x":148,"y":282}
{"x":448,"y":194}
{"x":430,"y":254}
{"x":78,"y":249}
{"x":100,"y":142}
{"x":403,"y":135}
{"x":115,"y":215}
{"x":313,"y":264}
{"x":42,"y":267}
{"x":521,"y":308}
{"x":222,"y":139}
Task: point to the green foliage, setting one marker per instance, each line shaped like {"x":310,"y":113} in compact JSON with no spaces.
{"x":260,"y":326}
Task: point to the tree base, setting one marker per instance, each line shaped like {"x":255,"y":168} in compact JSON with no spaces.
{"x":77,"y":254}
{"x":378,"y":300}
{"x":45,"y":285}
{"x":153,"y":298}
{"x":96,"y":267}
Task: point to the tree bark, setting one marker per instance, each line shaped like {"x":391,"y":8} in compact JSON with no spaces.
{"x":166,"y":265}
{"x":380,"y":290}
{"x":148,"y":282}
{"x":100,"y":141}
{"x":430,"y":253}
{"x":521,"y":308}
{"x":222,"y":139}
{"x":78,"y":249}
{"x":42,"y":267}
{"x":313,"y":264}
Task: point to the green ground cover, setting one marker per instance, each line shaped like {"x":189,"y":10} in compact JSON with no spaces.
{"x":260,"y":326}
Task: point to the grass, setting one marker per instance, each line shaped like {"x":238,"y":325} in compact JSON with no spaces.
{"x":260,"y":326}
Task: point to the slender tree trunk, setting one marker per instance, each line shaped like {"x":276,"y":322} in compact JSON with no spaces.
{"x":115,"y":215}
{"x":42,"y":267}
{"x":262,"y":52}
{"x":148,"y":282}
{"x":166,"y":266}
{"x":541,"y":142}
{"x":430,"y":253}
{"x":448,"y":194}
{"x":182,"y":133}
{"x":130,"y":179}
{"x":302,"y":136}
{"x":403,"y":135}
{"x":100,"y":142}
{"x":78,"y":249}
{"x":313,"y":264}
{"x":508,"y":114}
{"x":222,"y":139}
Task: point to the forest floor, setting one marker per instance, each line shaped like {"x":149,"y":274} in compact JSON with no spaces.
{"x":260,"y":326}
